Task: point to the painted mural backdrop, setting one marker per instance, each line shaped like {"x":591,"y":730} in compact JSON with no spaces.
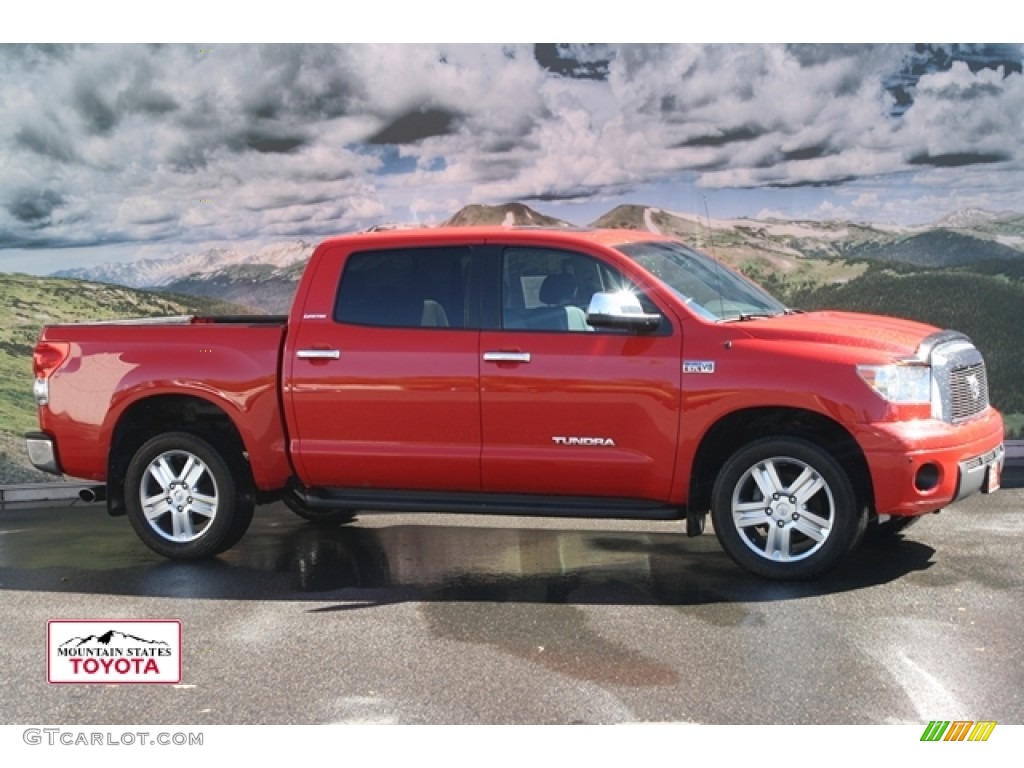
{"x":878,"y":177}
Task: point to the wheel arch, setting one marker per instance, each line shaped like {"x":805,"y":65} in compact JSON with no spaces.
{"x":739,"y":428}
{"x":151,"y":416}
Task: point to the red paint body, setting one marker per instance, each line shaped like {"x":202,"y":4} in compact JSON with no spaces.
{"x":420,"y":408}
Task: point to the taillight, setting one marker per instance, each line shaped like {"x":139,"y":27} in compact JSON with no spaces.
{"x":47,"y":358}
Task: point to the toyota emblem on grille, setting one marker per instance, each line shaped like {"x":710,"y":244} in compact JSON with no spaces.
{"x":974,"y":385}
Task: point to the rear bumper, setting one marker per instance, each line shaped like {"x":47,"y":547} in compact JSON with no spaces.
{"x":42,"y":452}
{"x":922,"y":466}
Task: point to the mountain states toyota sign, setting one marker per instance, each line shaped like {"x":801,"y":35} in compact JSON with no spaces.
{"x":113,"y":651}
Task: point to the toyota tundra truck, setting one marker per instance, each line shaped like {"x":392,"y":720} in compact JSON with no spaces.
{"x":502,"y":370}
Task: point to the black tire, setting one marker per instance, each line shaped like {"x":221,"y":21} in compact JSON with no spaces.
{"x":783,"y":508}
{"x":326,"y":518}
{"x":245,"y":507}
{"x":182,"y":498}
{"x":889,"y":530}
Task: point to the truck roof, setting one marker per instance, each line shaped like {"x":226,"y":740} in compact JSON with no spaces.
{"x":425,"y":236}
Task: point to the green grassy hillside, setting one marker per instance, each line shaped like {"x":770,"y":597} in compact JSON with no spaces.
{"x":938,"y":248}
{"x":26,"y":304}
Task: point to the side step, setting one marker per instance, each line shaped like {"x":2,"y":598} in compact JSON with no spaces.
{"x":357,"y":499}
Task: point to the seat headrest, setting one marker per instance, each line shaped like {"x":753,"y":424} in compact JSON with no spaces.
{"x":558,"y":289}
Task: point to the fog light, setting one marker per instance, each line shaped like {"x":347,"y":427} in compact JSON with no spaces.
{"x":928,"y":477}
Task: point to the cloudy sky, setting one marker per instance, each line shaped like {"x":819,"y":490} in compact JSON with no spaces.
{"x":116,"y":151}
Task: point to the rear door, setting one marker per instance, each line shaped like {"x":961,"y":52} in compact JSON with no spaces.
{"x":569,"y":409}
{"x":383,"y":376}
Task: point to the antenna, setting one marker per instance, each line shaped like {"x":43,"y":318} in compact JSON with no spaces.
{"x":707,"y":219}
{"x":714,"y":256}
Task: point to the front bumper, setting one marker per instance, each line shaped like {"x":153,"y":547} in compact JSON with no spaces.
{"x":922,"y":466}
{"x":42,"y":452}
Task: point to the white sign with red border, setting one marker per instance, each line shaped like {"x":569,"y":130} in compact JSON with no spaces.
{"x":109,"y":651}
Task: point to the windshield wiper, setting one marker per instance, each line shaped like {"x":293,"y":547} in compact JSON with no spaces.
{"x":744,"y":316}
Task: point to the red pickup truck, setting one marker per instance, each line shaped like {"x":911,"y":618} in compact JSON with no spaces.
{"x":586,"y":373}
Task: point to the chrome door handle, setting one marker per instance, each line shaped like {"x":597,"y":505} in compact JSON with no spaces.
{"x":318,"y":354}
{"x":506,"y":357}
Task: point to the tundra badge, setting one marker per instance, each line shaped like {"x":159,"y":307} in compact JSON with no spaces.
{"x":605,"y":442}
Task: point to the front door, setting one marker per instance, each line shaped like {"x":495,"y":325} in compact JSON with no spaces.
{"x":568,"y":409}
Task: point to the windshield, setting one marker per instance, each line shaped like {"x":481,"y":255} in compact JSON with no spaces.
{"x":711,"y":289}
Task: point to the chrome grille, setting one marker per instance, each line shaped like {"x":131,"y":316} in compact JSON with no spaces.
{"x":959,"y":379}
{"x":968,"y":391}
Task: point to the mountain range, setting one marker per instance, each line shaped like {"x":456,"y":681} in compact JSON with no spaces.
{"x":265,"y":278}
{"x":158,"y":273}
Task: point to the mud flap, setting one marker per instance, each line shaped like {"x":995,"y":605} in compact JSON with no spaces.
{"x":695,"y":523}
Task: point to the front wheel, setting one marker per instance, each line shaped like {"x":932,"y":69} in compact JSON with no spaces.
{"x":182,"y":499}
{"x":783,"y":508}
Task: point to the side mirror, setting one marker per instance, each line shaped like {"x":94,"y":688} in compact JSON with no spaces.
{"x":620,"y":309}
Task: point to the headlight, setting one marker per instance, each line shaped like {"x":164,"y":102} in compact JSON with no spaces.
{"x":899,"y":383}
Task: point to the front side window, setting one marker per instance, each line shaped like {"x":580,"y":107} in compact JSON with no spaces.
{"x":405,"y":288}
{"x":547,"y":289}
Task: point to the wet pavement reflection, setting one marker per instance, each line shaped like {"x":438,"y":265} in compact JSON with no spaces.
{"x":384,"y":559}
{"x":447,"y":619}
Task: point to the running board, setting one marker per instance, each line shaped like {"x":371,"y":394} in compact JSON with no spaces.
{"x":357,"y":499}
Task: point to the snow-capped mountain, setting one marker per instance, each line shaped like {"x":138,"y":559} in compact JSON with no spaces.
{"x":968,"y":218}
{"x":155,"y":273}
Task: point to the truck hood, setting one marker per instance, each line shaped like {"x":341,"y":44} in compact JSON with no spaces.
{"x":895,"y":336}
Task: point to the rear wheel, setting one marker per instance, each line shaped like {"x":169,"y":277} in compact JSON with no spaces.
{"x":182,"y":498}
{"x":783,"y":508}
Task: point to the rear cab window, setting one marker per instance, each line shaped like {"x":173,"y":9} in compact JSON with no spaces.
{"x":406,"y":288}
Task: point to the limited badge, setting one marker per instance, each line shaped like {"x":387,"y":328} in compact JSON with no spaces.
{"x":698,"y":366}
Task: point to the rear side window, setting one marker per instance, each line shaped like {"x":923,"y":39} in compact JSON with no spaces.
{"x":407,"y":288}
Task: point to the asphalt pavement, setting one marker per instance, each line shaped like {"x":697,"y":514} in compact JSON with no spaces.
{"x":471,"y":619}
